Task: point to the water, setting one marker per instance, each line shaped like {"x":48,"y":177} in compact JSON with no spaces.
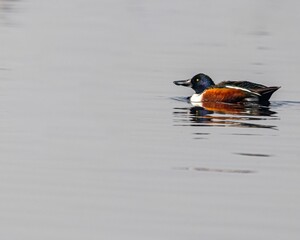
{"x":97,"y":143}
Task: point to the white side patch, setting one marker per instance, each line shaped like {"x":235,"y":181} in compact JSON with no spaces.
{"x":243,"y":89}
{"x":196,"y":98}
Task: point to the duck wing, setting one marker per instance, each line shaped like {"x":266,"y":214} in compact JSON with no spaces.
{"x":241,"y":84}
{"x":263,"y":92}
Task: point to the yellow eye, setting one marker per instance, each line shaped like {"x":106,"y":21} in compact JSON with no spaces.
{"x":197,"y":80}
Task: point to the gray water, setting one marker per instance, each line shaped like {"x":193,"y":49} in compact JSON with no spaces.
{"x":97,"y":143}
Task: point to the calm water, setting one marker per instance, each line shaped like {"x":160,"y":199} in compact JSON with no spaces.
{"x":97,"y":143}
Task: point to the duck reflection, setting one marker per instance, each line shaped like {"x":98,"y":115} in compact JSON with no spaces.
{"x":224,"y":114}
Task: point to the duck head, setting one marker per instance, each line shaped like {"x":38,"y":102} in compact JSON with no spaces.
{"x":199,"y":82}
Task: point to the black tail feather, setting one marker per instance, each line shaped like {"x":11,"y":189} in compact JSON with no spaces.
{"x":266,"y":93}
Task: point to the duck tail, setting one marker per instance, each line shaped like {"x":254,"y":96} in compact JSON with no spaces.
{"x":266,"y":93}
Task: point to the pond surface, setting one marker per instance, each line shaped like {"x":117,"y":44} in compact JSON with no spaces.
{"x":98,"y":143}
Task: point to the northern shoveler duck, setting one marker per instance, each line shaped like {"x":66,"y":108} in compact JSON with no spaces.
{"x":228,"y":91}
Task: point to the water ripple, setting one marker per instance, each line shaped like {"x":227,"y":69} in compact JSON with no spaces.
{"x":211,"y":114}
{"x":215,"y":170}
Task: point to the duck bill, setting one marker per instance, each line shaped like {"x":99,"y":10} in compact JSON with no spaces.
{"x":185,"y":83}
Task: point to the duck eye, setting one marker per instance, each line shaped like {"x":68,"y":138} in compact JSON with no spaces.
{"x":197,"y":79}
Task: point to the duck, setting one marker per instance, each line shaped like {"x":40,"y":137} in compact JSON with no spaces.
{"x":227,"y":91}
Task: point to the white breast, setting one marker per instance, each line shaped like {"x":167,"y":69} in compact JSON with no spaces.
{"x":196,"y":98}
